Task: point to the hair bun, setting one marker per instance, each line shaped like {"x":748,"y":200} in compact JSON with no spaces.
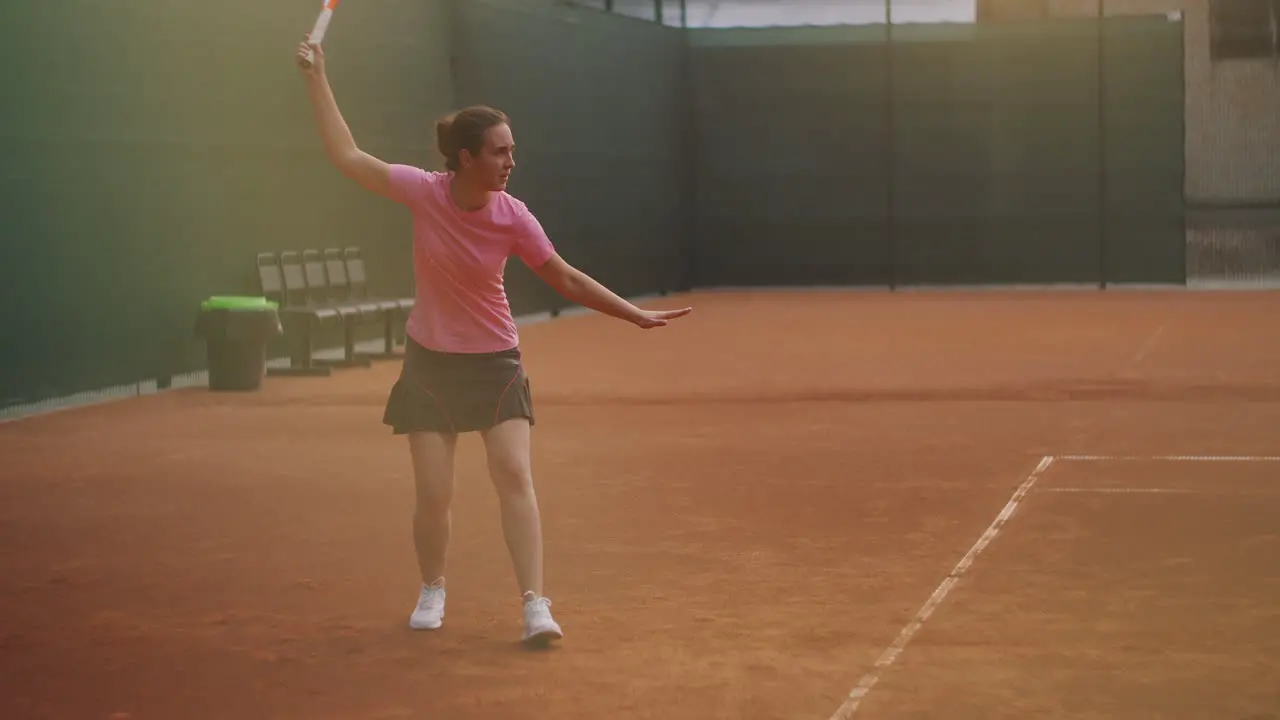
{"x":444,"y":136}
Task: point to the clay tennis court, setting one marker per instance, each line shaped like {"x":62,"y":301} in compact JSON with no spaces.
{"x":799,"y":505}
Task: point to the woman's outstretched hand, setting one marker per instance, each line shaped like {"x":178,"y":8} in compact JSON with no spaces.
{"x":658,"y":318}
{"x":313,"y":65}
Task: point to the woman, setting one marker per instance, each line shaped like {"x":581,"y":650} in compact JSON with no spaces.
{"x":462,"y":369}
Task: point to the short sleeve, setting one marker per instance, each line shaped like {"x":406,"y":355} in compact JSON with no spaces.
{"x":532,"y":244}
{"x":407,"y":182}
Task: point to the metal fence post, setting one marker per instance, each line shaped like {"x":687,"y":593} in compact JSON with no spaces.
{"x":1102,"y":149}
{"x":891,"y":165}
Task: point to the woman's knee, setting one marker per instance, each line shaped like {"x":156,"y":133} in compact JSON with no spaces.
{"x":512,"y":479}
{"x":434,"y":497}
{"x":507,"y":448}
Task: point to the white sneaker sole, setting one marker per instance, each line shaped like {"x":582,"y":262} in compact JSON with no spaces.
{"x":421,"y":625}
{"x":543,"y":636}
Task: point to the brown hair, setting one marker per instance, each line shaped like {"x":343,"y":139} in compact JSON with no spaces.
{"x":465,"y":129}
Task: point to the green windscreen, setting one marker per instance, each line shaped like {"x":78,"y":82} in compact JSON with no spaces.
{"x":995,"y":153}
{"x":792,"y":156}
{"x":1144,"y":131}
{"x":942,"y":154}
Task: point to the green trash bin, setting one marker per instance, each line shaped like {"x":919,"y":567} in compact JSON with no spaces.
{"x":236,"y":331}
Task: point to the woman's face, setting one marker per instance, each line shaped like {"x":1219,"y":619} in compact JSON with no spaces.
{"x":492,"y":166}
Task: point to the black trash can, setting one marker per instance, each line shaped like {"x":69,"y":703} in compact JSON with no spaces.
{"x":236,"y":331}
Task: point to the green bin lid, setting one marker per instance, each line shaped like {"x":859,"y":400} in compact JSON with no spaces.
{"x":231,"y":302}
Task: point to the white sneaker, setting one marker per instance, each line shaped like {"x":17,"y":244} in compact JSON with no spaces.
{"x":538,"y":625}
{"x":429,"y":614}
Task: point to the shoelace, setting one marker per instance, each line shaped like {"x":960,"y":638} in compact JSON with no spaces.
{"x":430,"y":595}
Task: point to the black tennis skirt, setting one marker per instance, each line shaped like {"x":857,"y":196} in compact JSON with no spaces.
{"x":457,"y":392}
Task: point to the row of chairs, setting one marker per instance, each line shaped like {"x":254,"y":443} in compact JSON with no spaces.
{"x":321,"y":289}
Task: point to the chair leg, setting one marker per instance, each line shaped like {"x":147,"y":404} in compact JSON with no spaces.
{"x":389,"y":351}
{"x":350,"y":358}
{"x":301,"y":363}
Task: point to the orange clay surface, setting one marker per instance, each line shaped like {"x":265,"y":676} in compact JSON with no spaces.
{"x":742,"y":512}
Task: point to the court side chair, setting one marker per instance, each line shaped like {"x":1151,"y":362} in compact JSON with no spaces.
{"x":358,"y":280}
{"x":388,"y":310}
{"x":305,"y":283}
{"x":324,"y":292}
{"x":299,"y":322}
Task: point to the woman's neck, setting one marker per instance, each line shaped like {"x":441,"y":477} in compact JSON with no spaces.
{"x":466,"y":196}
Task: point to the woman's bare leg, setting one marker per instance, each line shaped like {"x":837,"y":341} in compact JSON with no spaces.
{"x":507,"y":448}
{"x":432,"y":455}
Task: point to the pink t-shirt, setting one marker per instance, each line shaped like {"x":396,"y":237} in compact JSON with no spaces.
{"x":459,"y":258}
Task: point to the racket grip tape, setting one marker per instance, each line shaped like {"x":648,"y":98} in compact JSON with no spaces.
{"x":321,"y":26}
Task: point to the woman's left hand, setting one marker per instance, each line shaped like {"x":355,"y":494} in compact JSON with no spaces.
{"x":658,"y":318}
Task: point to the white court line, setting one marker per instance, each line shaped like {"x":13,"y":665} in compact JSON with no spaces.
{"x":891,"y":653}
{"x":1157,"y":491}
{"x":1150,"y":343}
{"x":1170,"y":458}
{"x":1182,"y":491}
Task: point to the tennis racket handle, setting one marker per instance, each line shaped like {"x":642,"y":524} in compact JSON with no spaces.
{"x":321,"y":26}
